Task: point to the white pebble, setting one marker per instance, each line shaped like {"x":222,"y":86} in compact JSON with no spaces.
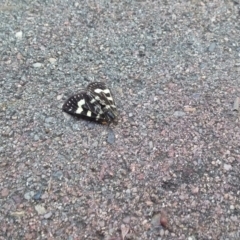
{"x":37,"y":65}
{"x":227,"y":167}
{"x":18,"y":35}
{"x":40,"y":209}
{"x":52,"y":60}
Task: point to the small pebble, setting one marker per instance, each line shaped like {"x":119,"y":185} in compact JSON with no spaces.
{"x":161,"y":232}
{"x":17,"y":213}
{"x":227,"y":167}
{"x":18,"y":35}
{"x":47,"y":130}
{"x":52,"y":60}
{"x":37,"y":65}
{"x":189,"y":109}
{"x":59,"y":97}
{"x":128,"y":191}
{"x":195,"y":190}
{"x":28,"y":195}
{"x":236,"y":104}
{"x":45,"y":196}
{"x":126,"y":220}
{"x":191,"y":238}
{"x":17,"y":199}
{"x":179,"y":114}
{"x":212,"y":47}
{"x":47,"y":215}
{"x":58,"y":175}
{"x":4,"y":192}
{"x":49,"y":119}
{"x":40,"y":209}
{"x":164,"y":221}
{"x":156,"y":220}
{"x":111,"y":137}
{"x":232,"y":207}
{"x":37,"y":196}
{"x":36,"y":137}
{"x":234,"y":218}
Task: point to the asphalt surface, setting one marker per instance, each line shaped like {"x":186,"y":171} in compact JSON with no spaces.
{"x":170,"y":169}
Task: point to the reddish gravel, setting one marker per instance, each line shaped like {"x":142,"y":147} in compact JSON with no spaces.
{"x":170,"y":169}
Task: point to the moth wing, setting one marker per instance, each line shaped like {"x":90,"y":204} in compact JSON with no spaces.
{"x":83,"y":105}
{"x":96,"y":85}
{"x":102,"y":94}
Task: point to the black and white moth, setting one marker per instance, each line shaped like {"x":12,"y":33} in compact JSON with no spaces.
{"x":94,"y":103}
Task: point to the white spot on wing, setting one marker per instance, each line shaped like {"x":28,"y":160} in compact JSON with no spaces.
{"x":79,"y":110}
{"x":80,"y":104}
{"x":101,"y":90}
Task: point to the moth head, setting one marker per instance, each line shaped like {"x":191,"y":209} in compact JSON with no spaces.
{"x":111,"y":115}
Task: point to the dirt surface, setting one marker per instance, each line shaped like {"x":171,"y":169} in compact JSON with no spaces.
{"x":170,"y":169}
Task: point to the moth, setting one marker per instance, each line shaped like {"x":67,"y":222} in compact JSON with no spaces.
{"x":94,"y":103}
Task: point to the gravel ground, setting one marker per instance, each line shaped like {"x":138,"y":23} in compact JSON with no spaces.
{"x":169,"y":169}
